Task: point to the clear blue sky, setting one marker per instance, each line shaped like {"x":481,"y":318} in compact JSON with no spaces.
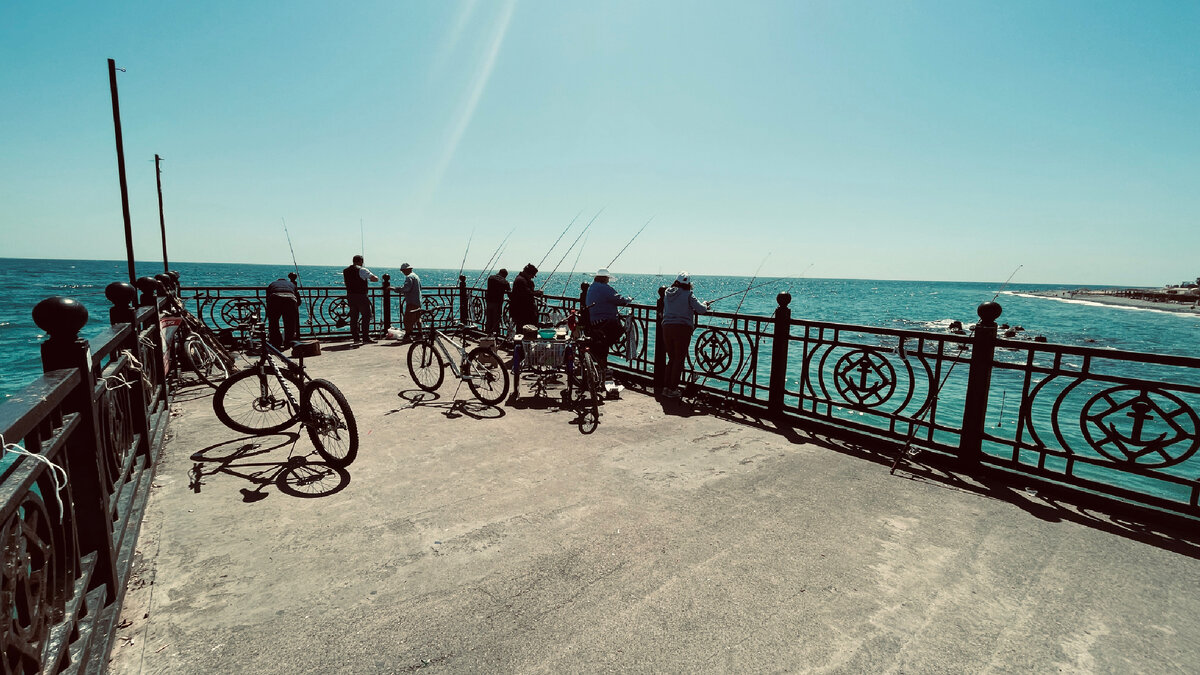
{"x":893,"y":140}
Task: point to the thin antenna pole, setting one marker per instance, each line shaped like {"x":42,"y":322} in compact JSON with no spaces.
{"x":116,"y":107}
{"x":162,"y":223}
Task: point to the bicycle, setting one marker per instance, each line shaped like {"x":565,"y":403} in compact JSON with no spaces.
{"x":480,"y":368}
{"x":198,"y":347}
{"x":261,"y":400}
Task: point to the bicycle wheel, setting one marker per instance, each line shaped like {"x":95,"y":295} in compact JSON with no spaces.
{"x":488,"y":378}
{"x":330,"y":422}
{"x":589,"y":413}
{"x":207,"y":365}
{"x":254,"y":402}
{"x":425,"y":365}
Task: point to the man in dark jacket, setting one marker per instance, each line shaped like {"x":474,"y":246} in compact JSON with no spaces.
{"x":522,"y":302}
{"x":283,"y":302}
{"x":356,"y":277}
{"x":497,"y":288}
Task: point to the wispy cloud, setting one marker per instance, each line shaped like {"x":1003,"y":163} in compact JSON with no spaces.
{"x":466,"y":113}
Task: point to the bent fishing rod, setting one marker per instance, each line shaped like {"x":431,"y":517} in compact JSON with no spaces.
{"x":577,"y":238}
{"x":907,"y":449}
{"x":560,"y":236}
{"x":635,"y":236}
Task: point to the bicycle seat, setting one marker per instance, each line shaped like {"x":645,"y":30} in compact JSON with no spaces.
{"x":306,"y":348}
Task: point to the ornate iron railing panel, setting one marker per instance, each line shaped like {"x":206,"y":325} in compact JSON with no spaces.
{"x":904,"y":385}
{"x":1125,"y":423}
{"x":726,"y":355}
{"x":38,"y":531}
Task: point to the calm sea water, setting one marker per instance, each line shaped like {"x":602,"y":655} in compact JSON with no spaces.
{"x":890,"y":304}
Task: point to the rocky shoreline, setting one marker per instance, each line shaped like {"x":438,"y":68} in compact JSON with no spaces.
{"x":1103,"y":298}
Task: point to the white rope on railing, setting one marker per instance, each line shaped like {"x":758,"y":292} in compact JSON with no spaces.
{"x":55,"y":470}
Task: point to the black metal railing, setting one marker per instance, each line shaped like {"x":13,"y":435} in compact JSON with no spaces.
{"x":81,"y":443}
{"x":1119,"y":423}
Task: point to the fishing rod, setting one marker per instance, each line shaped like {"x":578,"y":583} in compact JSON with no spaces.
{"x":311,"y":318}
{"x":575,"y":265}
{"x":560,"y":236}
{"x":487,"y":268}
{"x":362,"y":246}
{"x":577,"y":238}
{"x":907,"y":450}
{"x":1010,"y":278}
{"x":733,"y":319}
{"x":635,"y":236}
{"x":464,"y":260}
{"x":766,"y":283}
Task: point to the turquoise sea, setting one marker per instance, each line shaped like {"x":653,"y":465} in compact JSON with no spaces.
{"x":919,"y":305}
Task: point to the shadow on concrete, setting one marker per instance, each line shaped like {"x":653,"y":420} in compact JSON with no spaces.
{"x":453,"y":409}
{"x":297,"y":475}
{"x":1042,"y":499}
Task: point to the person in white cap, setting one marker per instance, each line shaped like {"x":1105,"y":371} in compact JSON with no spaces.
{"x":604,"y":326}
{"x":680,"y":308}
{"x":411,"y":292}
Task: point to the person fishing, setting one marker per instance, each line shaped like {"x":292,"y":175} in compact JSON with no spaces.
{"x":680,"y":308}
{"x":357,"y":277}
{"x":497,"y":288}
{"x":283,"y":303}
{"x":522,"y":301}
{"x":410,"y":292}
{"x":604,"y":325}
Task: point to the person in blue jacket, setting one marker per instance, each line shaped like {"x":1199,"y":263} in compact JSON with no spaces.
{"x":604,"y":325}
{"x":680,"y":308}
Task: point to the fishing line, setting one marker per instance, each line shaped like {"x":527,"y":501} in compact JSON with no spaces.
{"x":635,"y":236}
{"x":577,"y":238}
{"x":560,"y":236}
{"x":733,"y":319}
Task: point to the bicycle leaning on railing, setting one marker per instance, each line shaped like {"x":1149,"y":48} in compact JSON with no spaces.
{"x":481,"y":368}
{"x":197,"y":347}
{"x":262,"y":400}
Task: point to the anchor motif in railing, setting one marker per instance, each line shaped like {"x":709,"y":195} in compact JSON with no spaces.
{"x":853,"y":378}
{"x":1122,"y":428}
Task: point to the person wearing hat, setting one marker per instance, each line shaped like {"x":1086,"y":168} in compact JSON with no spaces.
{"x":522,"y":301}
{"x":680,"y":308}
{"x":356,"y":277}
{"x":410,"y":292}
{"x":604,"y":325}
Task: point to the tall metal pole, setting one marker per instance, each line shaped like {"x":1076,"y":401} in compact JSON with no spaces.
{"x":162,"y":224}
{"x":112,"y":83}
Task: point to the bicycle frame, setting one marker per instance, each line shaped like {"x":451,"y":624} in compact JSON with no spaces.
{"x":440,"y":341}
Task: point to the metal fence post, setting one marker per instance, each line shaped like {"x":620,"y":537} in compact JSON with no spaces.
{"x":386,"y":289}
{"x":62,"y":318}
{"x":584,"y":314}
{"x":779,"y":353}
{"x":463,"y":314}
{"x":979,"y":380}
{"x":660,"y":346}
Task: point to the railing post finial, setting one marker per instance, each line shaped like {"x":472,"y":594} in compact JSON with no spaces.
{"x":123,"y":296}
{"x":150,"y":288}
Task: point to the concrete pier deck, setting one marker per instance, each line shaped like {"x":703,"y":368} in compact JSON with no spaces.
{"x":474,"y":539}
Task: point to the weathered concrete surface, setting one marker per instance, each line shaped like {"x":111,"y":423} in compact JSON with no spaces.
{"x":665,"y":543}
